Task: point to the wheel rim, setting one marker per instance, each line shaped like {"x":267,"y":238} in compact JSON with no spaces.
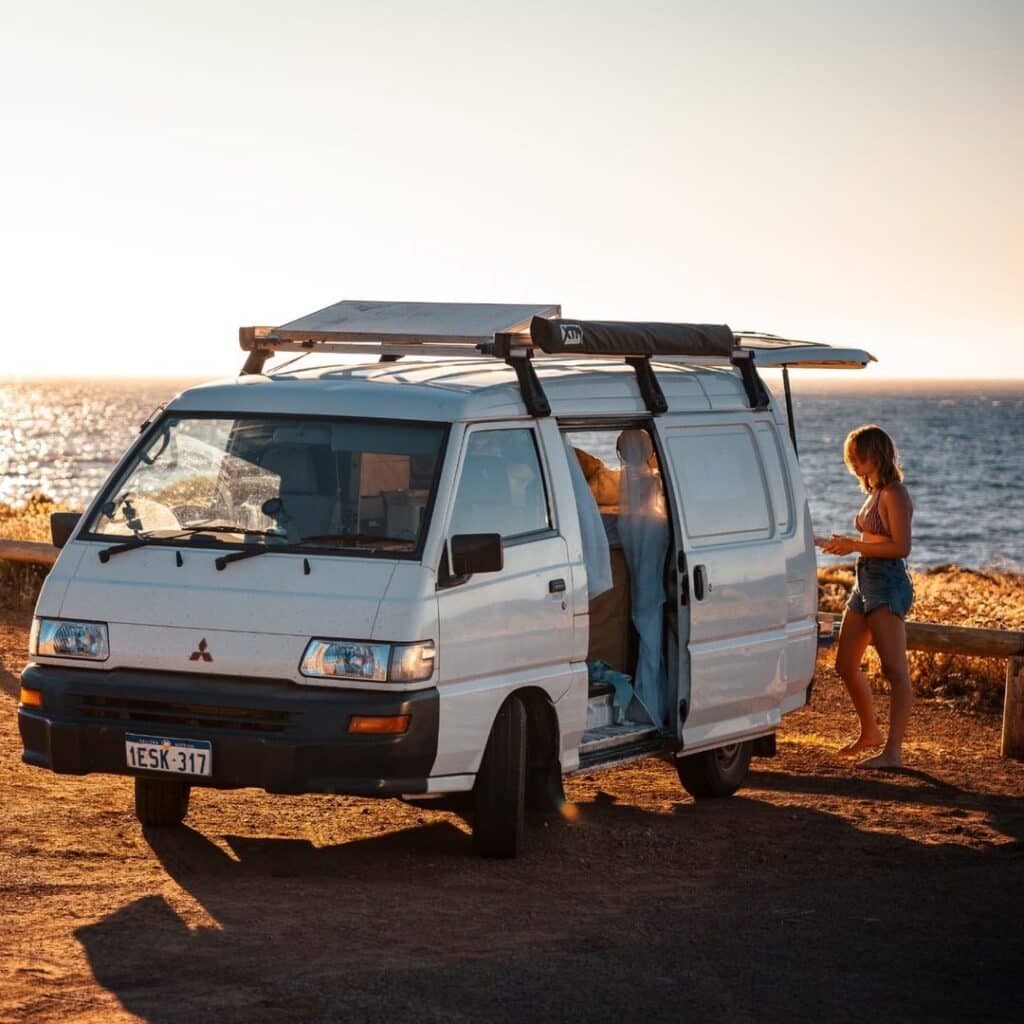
{"x":728,"y":756}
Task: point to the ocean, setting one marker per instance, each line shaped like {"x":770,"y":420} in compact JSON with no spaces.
{"x":961,"y":443}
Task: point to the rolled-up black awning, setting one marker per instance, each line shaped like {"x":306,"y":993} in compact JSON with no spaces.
{"x":621,"y":338}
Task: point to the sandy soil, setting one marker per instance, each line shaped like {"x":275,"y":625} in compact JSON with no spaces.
{"x":816,"y":891}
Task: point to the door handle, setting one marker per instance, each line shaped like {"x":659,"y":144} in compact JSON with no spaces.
{"x":700,"y":581}
{"x":556,"y":586}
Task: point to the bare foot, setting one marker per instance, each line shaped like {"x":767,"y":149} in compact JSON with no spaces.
{"x":866,"y":741}
{"x":882,"y":760}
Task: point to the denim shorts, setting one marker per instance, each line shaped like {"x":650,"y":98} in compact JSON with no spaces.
{"x":881,"y":581}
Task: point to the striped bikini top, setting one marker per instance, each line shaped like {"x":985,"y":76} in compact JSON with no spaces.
{"x":869,"y":518}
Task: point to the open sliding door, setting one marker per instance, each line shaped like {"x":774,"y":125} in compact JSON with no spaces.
{"x":731,"y":584}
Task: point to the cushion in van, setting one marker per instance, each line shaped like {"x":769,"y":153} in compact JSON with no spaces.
{"x":602,"y":481}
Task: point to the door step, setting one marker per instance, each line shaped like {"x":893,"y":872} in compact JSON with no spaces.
{"x":600,"y":711}
{"x":604,"y":737}
{"x":617,"y":744}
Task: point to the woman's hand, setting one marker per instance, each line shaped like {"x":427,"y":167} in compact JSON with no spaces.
{"x":839,"y":544}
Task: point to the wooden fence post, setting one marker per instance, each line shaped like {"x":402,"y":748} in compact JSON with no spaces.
{"x":1013,"y":710}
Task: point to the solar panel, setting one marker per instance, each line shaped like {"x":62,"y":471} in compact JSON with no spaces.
{"x":412,"y":322}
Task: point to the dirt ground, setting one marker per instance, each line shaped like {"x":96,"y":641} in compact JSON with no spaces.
{"x":817,"y":892}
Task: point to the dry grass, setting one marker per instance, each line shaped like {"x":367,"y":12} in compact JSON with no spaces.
{"x":30,"y":521}
{"x":947,"y":594}
{"x":20,"y":582}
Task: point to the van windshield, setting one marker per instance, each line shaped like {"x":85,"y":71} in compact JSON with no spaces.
{"x":364,"y":486}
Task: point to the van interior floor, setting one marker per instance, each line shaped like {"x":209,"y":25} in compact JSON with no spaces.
{"x":604,"y":742}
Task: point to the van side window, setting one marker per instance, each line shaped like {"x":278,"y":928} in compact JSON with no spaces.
{"x":722,"y":488}
{"x":501,"y":489}
{"x":778,"y":479}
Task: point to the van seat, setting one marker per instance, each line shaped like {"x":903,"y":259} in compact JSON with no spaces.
{"x":308,"y":510}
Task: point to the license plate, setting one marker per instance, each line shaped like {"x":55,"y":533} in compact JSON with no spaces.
{"x":164,"y":754}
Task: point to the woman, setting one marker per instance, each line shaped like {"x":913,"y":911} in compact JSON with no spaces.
{"x":882,"y":594}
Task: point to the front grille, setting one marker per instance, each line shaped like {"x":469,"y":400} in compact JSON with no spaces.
{"x":164,"y":712}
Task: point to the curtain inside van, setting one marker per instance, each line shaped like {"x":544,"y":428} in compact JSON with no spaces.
{"x":596,"y":553}
{"x":643,"y":528}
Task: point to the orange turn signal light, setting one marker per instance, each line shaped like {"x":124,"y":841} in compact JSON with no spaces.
{"x":388,"y":724}
{"x":30,"y":698}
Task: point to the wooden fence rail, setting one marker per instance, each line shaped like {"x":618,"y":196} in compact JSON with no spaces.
{"x":28,"y":551}
{"x":983,"y":643}
{"x":921,"y":636}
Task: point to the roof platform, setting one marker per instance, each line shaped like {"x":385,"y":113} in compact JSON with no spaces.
{"x":518,"y":333}
{"x":456,"y":325}
{"x":774,"y":352}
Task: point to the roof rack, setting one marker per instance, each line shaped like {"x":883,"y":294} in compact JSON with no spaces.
{"x":514,"y":334}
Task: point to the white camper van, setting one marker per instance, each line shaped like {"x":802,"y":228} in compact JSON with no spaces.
{"x":505,"y":548}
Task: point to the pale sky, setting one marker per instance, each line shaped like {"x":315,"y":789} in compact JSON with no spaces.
{"x":843,"y":172}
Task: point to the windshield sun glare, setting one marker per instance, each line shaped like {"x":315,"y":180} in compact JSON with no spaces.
{"x":357,"y":486}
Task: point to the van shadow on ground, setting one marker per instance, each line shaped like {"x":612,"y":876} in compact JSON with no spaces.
{"x":738,"y":910}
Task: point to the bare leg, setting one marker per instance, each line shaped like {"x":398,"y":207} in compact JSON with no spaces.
{"x":854,"y":636}
{"x":890,"y":639}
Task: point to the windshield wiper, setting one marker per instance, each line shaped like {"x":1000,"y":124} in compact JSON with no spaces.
{"x":237,"y":556}
{"x":228,"y":529}
{"x":140,"y":540}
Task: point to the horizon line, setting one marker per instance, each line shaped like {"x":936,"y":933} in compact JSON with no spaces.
{"x":802,"y":376}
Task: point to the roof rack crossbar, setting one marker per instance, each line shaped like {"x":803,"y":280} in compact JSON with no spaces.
{"x":757,"y":393}
{"x":517,"y":351}
{"x":650,"y":389}
{"x":253,"y":340}
{"x":536,"y":400}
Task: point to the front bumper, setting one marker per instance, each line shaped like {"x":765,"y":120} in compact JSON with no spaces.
{"x":269,"y":734}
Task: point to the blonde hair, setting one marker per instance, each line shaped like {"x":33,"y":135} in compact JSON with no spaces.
{"x":871,"y":442}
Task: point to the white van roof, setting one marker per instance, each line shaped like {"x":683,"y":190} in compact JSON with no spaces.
{"x":464,"y":389}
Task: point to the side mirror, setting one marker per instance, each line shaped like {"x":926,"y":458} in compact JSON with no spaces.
{"x":477,"y":552}
{"x":62,"y":525}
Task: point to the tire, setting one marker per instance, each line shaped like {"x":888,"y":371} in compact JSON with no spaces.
{"x":161,"y":802}
{"x":545,"y":795}
{"x":500,"y":789}
{"x":715,"y":773}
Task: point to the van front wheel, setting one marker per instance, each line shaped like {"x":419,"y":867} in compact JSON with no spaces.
{"x":500,"y":789}
{"x":715,"y":773}
{"x":161,"y":801}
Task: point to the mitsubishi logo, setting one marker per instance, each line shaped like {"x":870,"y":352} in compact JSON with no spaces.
{"x":201,"y":653}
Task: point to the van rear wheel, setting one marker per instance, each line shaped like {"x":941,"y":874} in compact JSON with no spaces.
{"x":161,"y":802}
{"x":715,"y":773}
{"x":500,"y":789}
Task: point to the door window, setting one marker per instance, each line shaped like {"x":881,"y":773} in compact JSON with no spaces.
{"x":721,"y":485}
{"x":501,"y":489}
{"x":778,"y":480}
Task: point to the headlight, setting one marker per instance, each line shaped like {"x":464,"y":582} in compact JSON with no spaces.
{"x":371,"y":663}
{"x":343,"y":659}
{"x":67,"y":638}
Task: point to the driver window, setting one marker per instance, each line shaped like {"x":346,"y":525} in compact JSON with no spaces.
{"x":501,"y":489}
